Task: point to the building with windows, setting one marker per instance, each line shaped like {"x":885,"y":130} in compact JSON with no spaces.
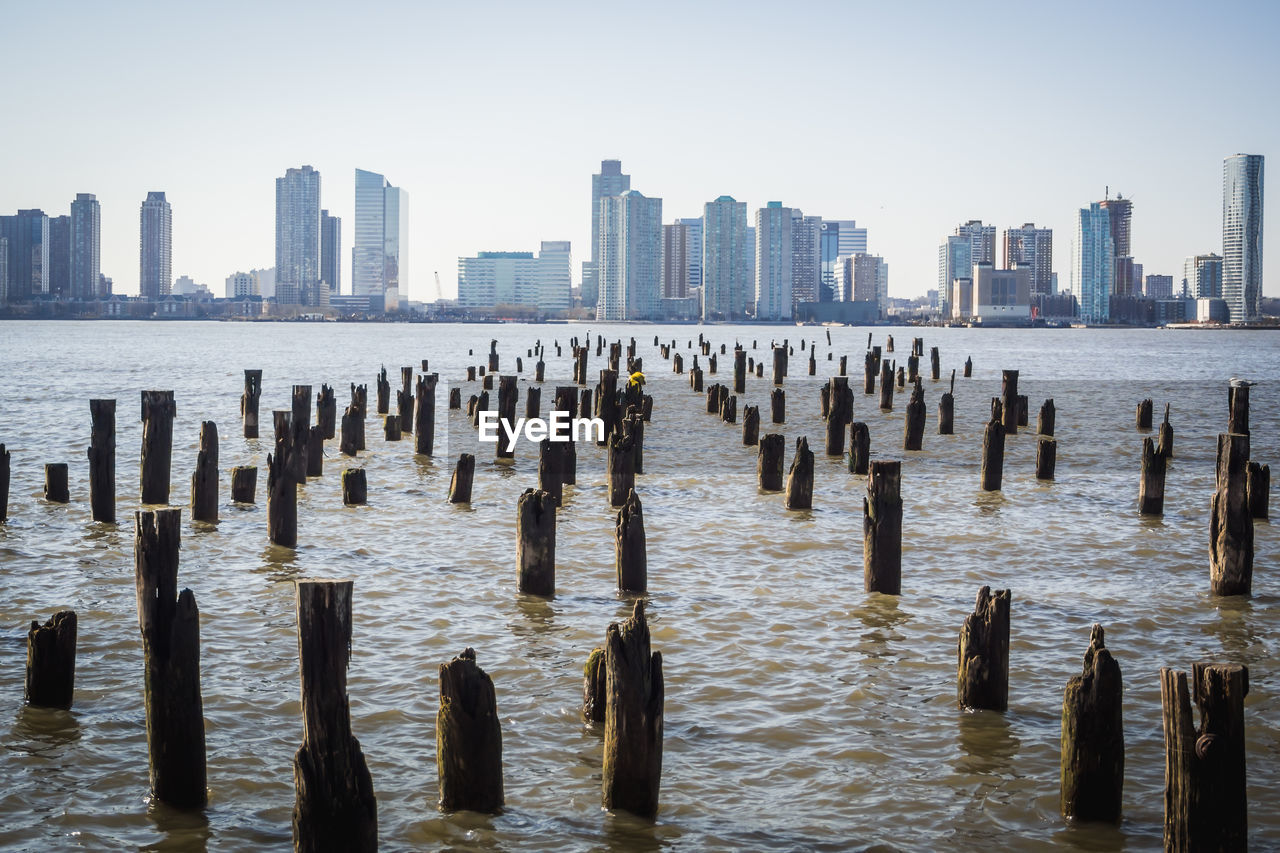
{"x":60,"y":256}
{"x":493,"y":279}
{"x":726,"y":252}
{"x":1031,"y":248}
{"x":1242,"y":235}
{"x":241,"y":284}
{"x":630,"y":257}
{"x":863,"y":278}
{"x":379,"y":256}
{"x":806,"y":258}
{"x":155,"y":247}
{"x":675,"y":261}
{"x":1157,"y":286}
{"x":86,"y":246}
{"x":972,"y":243}
{"x":298,"y":239}
{"x":1093,"y":268}
{"x":555,"y":278}
{"x":1202,"y":277}
{"x":331,"y":252}
{"x":993,"y":297}
{"x":774,"y":262}
{"x":838,"y":238}
{"x":609,"y":182}
{"x":693,"y":236}
{"x":27,"y":235}
{"x":4,"y":270}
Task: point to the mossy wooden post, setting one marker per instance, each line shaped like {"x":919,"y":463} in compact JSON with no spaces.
{"x":244,"y":483}
{"x":404,"y":399}
{"x":633,"y":718}
{"x":51,"y":661}
{"x":350,"y":417}
{"x":1092,"y":764}
{"x":204,"y":482}
{"x":102,"y":461}
{"x":770,"y":462}
{"x":947,"y":409}
{"x":170,"y":625}
{"x":249,"y":402}
{"x":1164,"y":443}
{"x":1048,"y":418}
{"x":424,"y":413}
{"x":55,"y":483}
{"x":536,"y":543}
{"x":779,"y":364}
{"x":983,"y":653}
{"x":5,"y":460}
{"x":935,"y":364}
{"x":282,"y":504}
{"x":300,"y":426}
{"x":383,"y":392}
{"x":886,"y":386}
{"x":549,"y":473}
{"x":882,"y":528}
{"x":1151,"y":486}
{"x":1143,"y":418}
{"x":913,"y":422}
{"x":739,"y":371}
{"x":355,"y":486}
{"x":1009,"y":401}
{"x":315,"y":452}
{"x":859,"y":448}
{"x":334,"y":806}
{"x":1258,"y":489}
{"x":1046,"y":457}
{"x":968,"y":368}
{"x":158,"y":411}
{"x":1230,"y":524}
{"x":799,"y":493}
{"x":993,"y":450}
{"x":1238,"y":409}
{"x":630,"y":558}
{"x":751,"y":426}
{"x":594,"y":678}
{"x":460,"y":482}
{"x":391,"y":428}
{"x":621,"y":469}
{"x":326,"y":412}
{"x":468,"y":738}
{"x":1205,"y":797}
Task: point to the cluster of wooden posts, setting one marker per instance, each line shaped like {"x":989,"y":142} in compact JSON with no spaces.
{"x":623,"y":680}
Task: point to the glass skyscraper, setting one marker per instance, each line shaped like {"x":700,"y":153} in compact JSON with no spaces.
{"x":1093,"y":272}
{"x":298,"y":239}
{"x":630,"y":254}
{"x":331,"y":252}
{"x":839,"y":238}
{"x":773,"y":262}
{"x":610,"y":182}
{"x":1242,"y":235}
{"x":86,"y":246}
{"x":726,"y":252}
{"x":379,"y":256}
{"x":156,"y":246}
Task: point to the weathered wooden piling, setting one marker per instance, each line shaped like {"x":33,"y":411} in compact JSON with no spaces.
{"x":532,"y":402}
{"x":51,"y":661}
{"x":1238,"y":409}
{"x":460,"y":482}
{"x":1205,"y":797}
{"x":1022,"y":410}
{"x":471,"y":373}
{"x":1009,"y":401}
{"x":621,"y":469}
{"x":355,"y":486}
{"x":326,"y":412}
{"x":594,"y":682}
{"x":888,"y":344}
{"x":249,"y":402}
{"x":360,"y":402}
{"x":566,"y":400}
{"x":334,"y":807}
{"x":839,"y":413}
{"x":55,"y":483}
{"x":5,"y":460}
{"x":630,"y":558}
{"x":405,"y":400}
{"x":633,"y":717}
{"x":947,"y":409}
{"x":244,"y":483}
{"x":350,"y":418}
{"x":493,"y":356}
{"x":301,"y":428}
{"x":813,"y":364}
{"x":902,"y":379}
{"x":315,"y":452}
{"x":869,"y":368}
{"x":282,"y":503}
{"x":1143,"y":417}
{"x":550,"y":478}
{"x":1230,"y":524}
{"x":751,"y":426}
{"x":383,"y":392}
{"x":170,"y":625}
{"x":1258,"y":489}
{"x":1046,"y":457}
{"x":1092,"y":762}
{"x":779,"y":364}
{"x":1164,"y":443}
{"x":468,"y":738}
{"x":882,"y":528}
{"x":739,"y":371}
{"x":204,"y":482}
{"x":913,"y":422}
{"x":455,"y":398}
{"x":391,"y":428}
{"x":158,"y":411}
{"x":859,"y":448}
{"x":886,"y":386}
{"x":799,"y":493}
{"x":770,"y":462}
{"x":728,"y":407}
{"x":1151,"y":485}
{"x":1048,"y":416}
{"x":536,"y":543}
{"x":983,"y":653}
{"x":102,"y":460}
{"x":424,"y":414}
{"x":968,"y":368}
{"x":935,"y":364}
{"x":993,"y":450}
{"x":482,"y":405}
{"x":913,"y":367}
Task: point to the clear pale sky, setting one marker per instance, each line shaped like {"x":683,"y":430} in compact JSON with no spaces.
{"x":908,"y":117}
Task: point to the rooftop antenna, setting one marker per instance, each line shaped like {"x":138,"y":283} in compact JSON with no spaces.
{"x":1106,"y":195}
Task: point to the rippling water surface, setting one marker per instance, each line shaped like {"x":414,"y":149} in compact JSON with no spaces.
{"x":801,"y":712}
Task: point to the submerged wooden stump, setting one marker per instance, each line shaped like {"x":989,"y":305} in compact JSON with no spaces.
{"x":326,"y":412}
{"x":536,"y":543}
{"x":913,"y":423}
{"x":550,"y":469}
{"x":630,"y":556}
{"x":1258,"y":489}
{"x":947,"y":409}
{"x":532,"y":402}
{"x":360,"y":402}
{"x":334,"y":806}
{"x":204,"y":482}
{"x":382,"y":392}
{"x":1046,"y":457}
{"x":1009,"y":405}
{"x":355,"y":487}
{"x":249,"y":402}
{"x":460,"y":483}
{"x":300,"y":430}
{"x":1048,"y":416}
{"x":882,"y":528}
{"x":1205,"y":798}
{"x":468,"y":738}
{"x":391,"y":428}
{"x":594,"y":678}
{"x":778,"y":406}
{"x":799,"y":493}
{"x":751,"y":426}
{"x":315,"y":452}
{"x":158,"y":411}
{"x":348,"y":445}
{"x":102,"y":460}
{"x":1164,"y":443}
{"x":5,"y":460}
{"x":621,"y":469}
{"x":424,"y":413}
{"x":455,"y":398}
{"x":633,"y":718}
{"x":1238,"y":409}
{"x":770,"y":462}
{"x":51,"y":661}
{"x":405,"y":399}
{"x":1230,"y":523}
{"x":935,"y":364}
{"x":1151,"y":485}
{"x":170,"y":625}
{"x":993,"y":452}
{"x":244,"y":483}
{"x":859,"y":448}
{"x":870,"y":365}
{"x":886,"y":386}
{"x":282,"y":504}
{"x":1143,"y":418}
{"x":968,"y":368}
{"x":1092,"y":764}
{"x":55,"y":483}
{"x":983,"y":653}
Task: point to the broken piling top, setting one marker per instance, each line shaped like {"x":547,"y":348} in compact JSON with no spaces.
{"x":633,"y":717}
{"x":468,"y":738}
{"x":1092,"y":761}
{"x":983,"y":653}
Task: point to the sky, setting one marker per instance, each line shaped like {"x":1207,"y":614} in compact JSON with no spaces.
{"x":907,"y":117}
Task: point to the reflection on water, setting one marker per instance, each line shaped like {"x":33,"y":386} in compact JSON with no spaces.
{"x":182,"y":830}
{"x":39,"y":731}
{"x":987,"y":743}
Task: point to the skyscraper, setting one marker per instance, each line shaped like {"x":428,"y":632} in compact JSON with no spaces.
{"x":675,"y":261}
{"x":298,"y":239}
{"x":1031,"y":248}
{"x":555,"y":277}
{"x":331,"y":252}
{"x":1157,"y":286}
{"x":86,"y":246}
{"x":973,"y":243}
{"x":726,"y":248}
{"x":806,"y":257}
{"x":630,"y":254}
{"x":156,"y":247}
{"x":863,"y":278}
{"x":610,"y":182}
{"x":1120,"y":212}
{"x":693,"y":234}
{"x":1242,"y":235}
{"x":60,"y":256}
{"x":1093,"y":270}
{"x":1202,"y":277}
{"x":839,"y":238}
{"x":773,"y":262}
{"x":379,"y":258}
{"x":4,"y":270}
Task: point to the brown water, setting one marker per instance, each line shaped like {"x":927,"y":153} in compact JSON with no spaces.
{"x":801,"y":712}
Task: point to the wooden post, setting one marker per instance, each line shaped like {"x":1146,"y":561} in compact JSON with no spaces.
{"x":1092,"y":764}
{"x":300,"y":427}
{"x":1230,"y":524}
{"x":888,"y":344}
{"x":244,"y":483}
{"x":870,"y":366}
{"x":391,"y":428}
{"x":769,"y":463}
{"x":1164,"y":443}
{"x":493,"y":356}
{"x":170,"y":625}
{"x":455,"y":398}
{"x":859,"y":448}
{"x":751,"y":426}
{"x":460,"y":483}
{"x":468,"y":738}
{"x":404,"y":399}
{"x":983,"y":653}
{"x":539,"y":370}
{"x":778,"y":406}
{"x":886,"y":386}
{"x":55,"y":483}
{"x":549,"y":473}
{"x":282,"y":504}
{"x":993,"y":450}
{"x":360,"y":400}
{"x":508,"y":392}
{"x":355,"y":487}
{"x":594,"y":678}
{"x":326,"y":412}
{"x":935,"y":364}
{"x":4,"y":483}
{"x":566,"y":400}
{"x":249,"y":402}
{"x":728,"y":407}
{"x":350,"y":418}
{"x":622,"y":469}
{"x":1048,"y":417}
{"x":779,"y":364}
{"x":839,"y":413}
{"x":204,"y":482}
{"x":1205,"y":798}
{"x":913,"y":367}
{"x":1258,"y":488}
{"x":424,"y":429}
{"x":882,"y":528}
{"x":51,"y":661}
{"x":102,"y":461}
{"x":1238,"y":409}
{"x":1009,"y":401}
{"x":630,"y":558}
{"x":532,"y":402}
{"x":334,"y":807}
{"x":947,"y":409}
{"x":968,"y":368}
{"x":739,"y":371}
{"x":902,"y":378}
{"x":1144,"y":414}
{"x":315,"y":452}
{"x":1151,"y":486}
{"x":383,"y":391}
{"x":800,"y":478}
{"x":1046,"y":457}
{"x":633,"y":718}
{"x":536,"y":543}
{"x":913,"y":423}
{"x":158,"y":411}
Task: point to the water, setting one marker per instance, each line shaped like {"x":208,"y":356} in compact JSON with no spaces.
{"x":801,"y":713}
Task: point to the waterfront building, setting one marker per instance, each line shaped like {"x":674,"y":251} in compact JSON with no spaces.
{"x":609,"y":182}
{"x":806,"y":258}
{"x":298,"y":238}
{"x":555,"y":278}
{"x":726,"y":250}
{"x":1120,"y":216}
{"x":1158,"y":286}
{"x":774,"y":263}
{"x":266,"y":279}
{"x":26,"y":234}
{"x":1242,"y":185}
{"x":1031,"y":248}
{"x":4,"y":270}
{"x":838,"y":238}
{"x":693,"y":236}
{"x":379,"y":256}
{"x":155,"y":244}
{"x":675,"y":261}
{"x":1093,"y":269}
{"x":331,"y":252}
{"x":972,"y":243}
{"x":493,"y":279}
{"x":241,"y":284}
{"x":630,"y":257}
{"x":86,"y":246}
{"x":60,"y":256}
{"x":1202,"y":277}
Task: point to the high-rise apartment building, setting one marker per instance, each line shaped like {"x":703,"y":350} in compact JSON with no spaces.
{"x":1242,"y":235}
{"x":331,"y":252}
{"x":726,"y":249}
{"x":806,"y":257}
{"x":155,"y":247}
{"x":1157,"y":286}
{"x":630,"y":257}
{"x":863,"y":277}
{"x":511,"y":280}
{"x":86,"y":246}
{"x":298,"y":238}
{"x":555,"y":277}
{"x":1120,"y":213}
{"x":1202,"y":277}
{"x":1093,"y":270}
{"x":60,"y":256}
{"x":973,"y":243}
{"x":610,"y":182}
{"x":241,"y":284}
{"x":27,"y":236}
{"x":379,"y":257}
{"x":675,"y":261}
{"x":773,"y":262}
{"x":1031,"y":248}
{"x":4,"y":270}
{"x":839,"y":238}
{"x":693,"y":235}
